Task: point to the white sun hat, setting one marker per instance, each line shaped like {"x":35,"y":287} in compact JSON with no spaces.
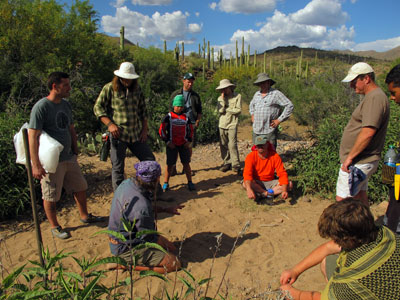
{"x":126,"y":71}
{"x":357,"y":69}
{"x":224,"y":83}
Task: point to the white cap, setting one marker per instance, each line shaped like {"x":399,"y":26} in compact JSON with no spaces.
{"x":360,"y":68}
{"x":127,"y":71}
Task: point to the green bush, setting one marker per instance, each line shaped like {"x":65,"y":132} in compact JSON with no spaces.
{"x":14,"y":192}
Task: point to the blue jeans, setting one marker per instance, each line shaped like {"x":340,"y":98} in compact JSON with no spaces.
{"x":118,"y":153}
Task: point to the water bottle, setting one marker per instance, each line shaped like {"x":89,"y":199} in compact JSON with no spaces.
{"x":105,"y":149}
{"x":391,"y":157}
{"x":270,"y":195}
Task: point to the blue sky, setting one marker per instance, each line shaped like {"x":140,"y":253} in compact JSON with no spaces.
{"x":265,"y":24}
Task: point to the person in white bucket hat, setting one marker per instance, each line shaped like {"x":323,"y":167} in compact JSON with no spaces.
{"x":364,"y":136}
{"x":229,"y":109}
{"x":122,"y":109}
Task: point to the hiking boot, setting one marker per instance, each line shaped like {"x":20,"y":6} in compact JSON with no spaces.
{"x":173,"y":172}
{"x":165,"y":186}
{"x":225,"y":168}
{"x":238,"y":171}
{"x":60,"y":233}
{"x":191,"y":186}
{"x":92,"y":219}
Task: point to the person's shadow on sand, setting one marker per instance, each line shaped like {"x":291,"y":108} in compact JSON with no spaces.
{"x":202,"y":246}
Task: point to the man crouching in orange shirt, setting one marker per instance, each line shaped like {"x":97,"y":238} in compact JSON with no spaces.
{"x":259,"y":172}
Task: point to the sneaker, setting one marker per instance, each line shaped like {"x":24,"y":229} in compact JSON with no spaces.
{"x":191,"y":186}
{"x":60,"y":233}
{"x":92,"y":219}
{"x":165,"y":186}
{"x":225,"y":168}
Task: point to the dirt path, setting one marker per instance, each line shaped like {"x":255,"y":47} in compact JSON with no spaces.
{"x":278,"y":236}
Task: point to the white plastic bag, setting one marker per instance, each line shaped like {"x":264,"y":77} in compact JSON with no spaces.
{"x":49,"y":150}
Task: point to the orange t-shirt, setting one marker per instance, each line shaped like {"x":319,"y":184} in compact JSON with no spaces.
{"x":256,"y":168}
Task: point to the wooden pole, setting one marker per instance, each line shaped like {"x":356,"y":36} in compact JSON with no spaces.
{"x":33,"y":196}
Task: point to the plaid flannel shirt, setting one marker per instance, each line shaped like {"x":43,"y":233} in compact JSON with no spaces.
{"x":124,"y":108}
{"x":265,"y":109}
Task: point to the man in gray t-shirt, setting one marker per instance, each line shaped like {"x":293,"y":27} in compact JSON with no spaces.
{"x":53,"y":115}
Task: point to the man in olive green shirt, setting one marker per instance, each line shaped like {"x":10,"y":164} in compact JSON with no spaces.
{"x":121,"y":107}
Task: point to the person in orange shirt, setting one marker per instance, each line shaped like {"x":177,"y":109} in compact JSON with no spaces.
{"x":259,"y":171}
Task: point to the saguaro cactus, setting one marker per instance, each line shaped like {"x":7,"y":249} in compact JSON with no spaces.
{"x":165,"y":47}
{"x":208,"y":54}
{"x":212,"y":58}
{"x":122,"y":38}
{"x":255,"y":59}
{"x":237,"y":54}
{"x":242,"y":55}
{"x":265,"y":62}
{"x":183,"y":51}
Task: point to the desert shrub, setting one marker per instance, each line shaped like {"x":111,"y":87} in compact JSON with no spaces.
{"x":14,"y":192}
{"x":159,"y":72}
{"x":243,"y":78}
{"x":318,"y":97}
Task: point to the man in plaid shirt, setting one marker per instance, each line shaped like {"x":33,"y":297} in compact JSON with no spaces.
{"x":121,"y":107}
{"x":265,"y":108}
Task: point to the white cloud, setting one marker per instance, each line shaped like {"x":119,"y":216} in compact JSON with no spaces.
{"x":213,"y":5}
{"x":118,"y":3}
{"x":149,"y":30}
{"x":195,"y":28}
{"x":197,"y":14}
{"x":282,"y":30}
{"x":246,"y":7}
{"x":379,"y":45}
{"x":321,"y":12}
{"x":151,"y":2}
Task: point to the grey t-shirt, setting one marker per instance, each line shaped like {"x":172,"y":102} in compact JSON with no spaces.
{"x":55,"y":119}
{"x":188,"y":107}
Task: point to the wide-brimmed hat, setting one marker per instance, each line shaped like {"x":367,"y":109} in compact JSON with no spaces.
{"x":261,"y":77}
{"x":224,"y":83}
{"x":126,"y":71}
{"x":357,"y":69}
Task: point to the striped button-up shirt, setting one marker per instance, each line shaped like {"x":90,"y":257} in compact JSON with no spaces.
{"x":126,"y":109}
{"x":267,"y":108}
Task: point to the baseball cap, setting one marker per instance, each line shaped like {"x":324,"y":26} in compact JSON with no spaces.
{"x":188,"y":76}
{"x":357,"y":69}
{"x":260,"y":140}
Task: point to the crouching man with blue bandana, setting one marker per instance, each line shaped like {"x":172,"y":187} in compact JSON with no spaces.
{"x":132,"y":203}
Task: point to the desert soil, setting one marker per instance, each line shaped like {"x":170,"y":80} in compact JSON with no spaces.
{"x":278,"y":236}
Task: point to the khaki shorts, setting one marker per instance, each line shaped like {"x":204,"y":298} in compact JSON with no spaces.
{"x":149,"y":257}
{"x":268,"y":184}
{"x":67,"y":175}
{"x":342,"y":186}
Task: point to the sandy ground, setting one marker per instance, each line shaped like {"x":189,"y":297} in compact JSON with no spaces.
{"x":277,"y":238}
